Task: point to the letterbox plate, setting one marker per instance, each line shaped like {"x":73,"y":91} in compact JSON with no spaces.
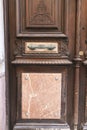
{"x":41,"y":47}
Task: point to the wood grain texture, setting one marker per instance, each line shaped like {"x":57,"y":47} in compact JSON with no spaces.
{"x":77,"y":66}
{"x":39,"y":14}
{"x":48,"y":16}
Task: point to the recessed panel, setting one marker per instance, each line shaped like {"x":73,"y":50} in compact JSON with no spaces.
{"x":41,"y":95}
{"x":38,"y":13}
{"x":45,"y":16}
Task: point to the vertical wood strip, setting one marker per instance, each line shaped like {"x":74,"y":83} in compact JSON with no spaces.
{"x":77,"y":66}
{"x":86,"y":98}
{"x":78,"y":25}
{"x":67,"y":16}
{"x":76,"y":94}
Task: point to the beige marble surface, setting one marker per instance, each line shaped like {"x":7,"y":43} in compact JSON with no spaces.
{"x":41,"y":95}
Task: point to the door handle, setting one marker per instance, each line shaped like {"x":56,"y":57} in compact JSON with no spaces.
{"x":34,"y":47}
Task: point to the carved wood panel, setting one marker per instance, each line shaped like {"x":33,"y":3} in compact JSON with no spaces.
{"x":42,"y":48}
{"x":40,"y":16}
{"x":38,"y":13}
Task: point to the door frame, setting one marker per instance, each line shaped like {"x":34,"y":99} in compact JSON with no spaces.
{"x":6,"y":43}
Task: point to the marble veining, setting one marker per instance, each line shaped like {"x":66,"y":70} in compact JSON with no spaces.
{"x":41,"y":95}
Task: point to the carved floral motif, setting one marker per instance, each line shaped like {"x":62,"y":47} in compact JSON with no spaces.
{"x":64,"y":48}
{"x":18,"y":48}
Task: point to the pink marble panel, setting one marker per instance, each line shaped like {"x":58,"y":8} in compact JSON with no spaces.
{"x":41,"y":95}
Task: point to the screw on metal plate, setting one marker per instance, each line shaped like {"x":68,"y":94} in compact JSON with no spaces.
{"x":26,"y":77}
{"x":27,"y":114}
{"x":56,"y":78}
{"x":81,"y":53}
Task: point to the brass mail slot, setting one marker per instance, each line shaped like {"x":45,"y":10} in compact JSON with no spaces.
{"x":41,"y":47}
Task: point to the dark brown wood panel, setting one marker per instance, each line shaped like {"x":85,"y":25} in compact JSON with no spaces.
{"x":38,"y":13}
{"x":40,"y":16}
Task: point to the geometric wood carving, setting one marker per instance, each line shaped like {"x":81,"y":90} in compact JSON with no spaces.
{"x":46,"y":16}
{"x":42,"y":49}
{"x":38,"y":13}
{"x":41,"y":52}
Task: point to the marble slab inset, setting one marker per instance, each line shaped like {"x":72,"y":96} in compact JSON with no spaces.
{"x":41,"y":95}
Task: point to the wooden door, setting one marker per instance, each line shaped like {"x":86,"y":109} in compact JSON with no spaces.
{"x":47,"y":80}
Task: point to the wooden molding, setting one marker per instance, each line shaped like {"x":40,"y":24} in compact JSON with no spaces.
{"x":28,"y":126}
{"x":49,"y":19}
{"x":42,"y":61}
